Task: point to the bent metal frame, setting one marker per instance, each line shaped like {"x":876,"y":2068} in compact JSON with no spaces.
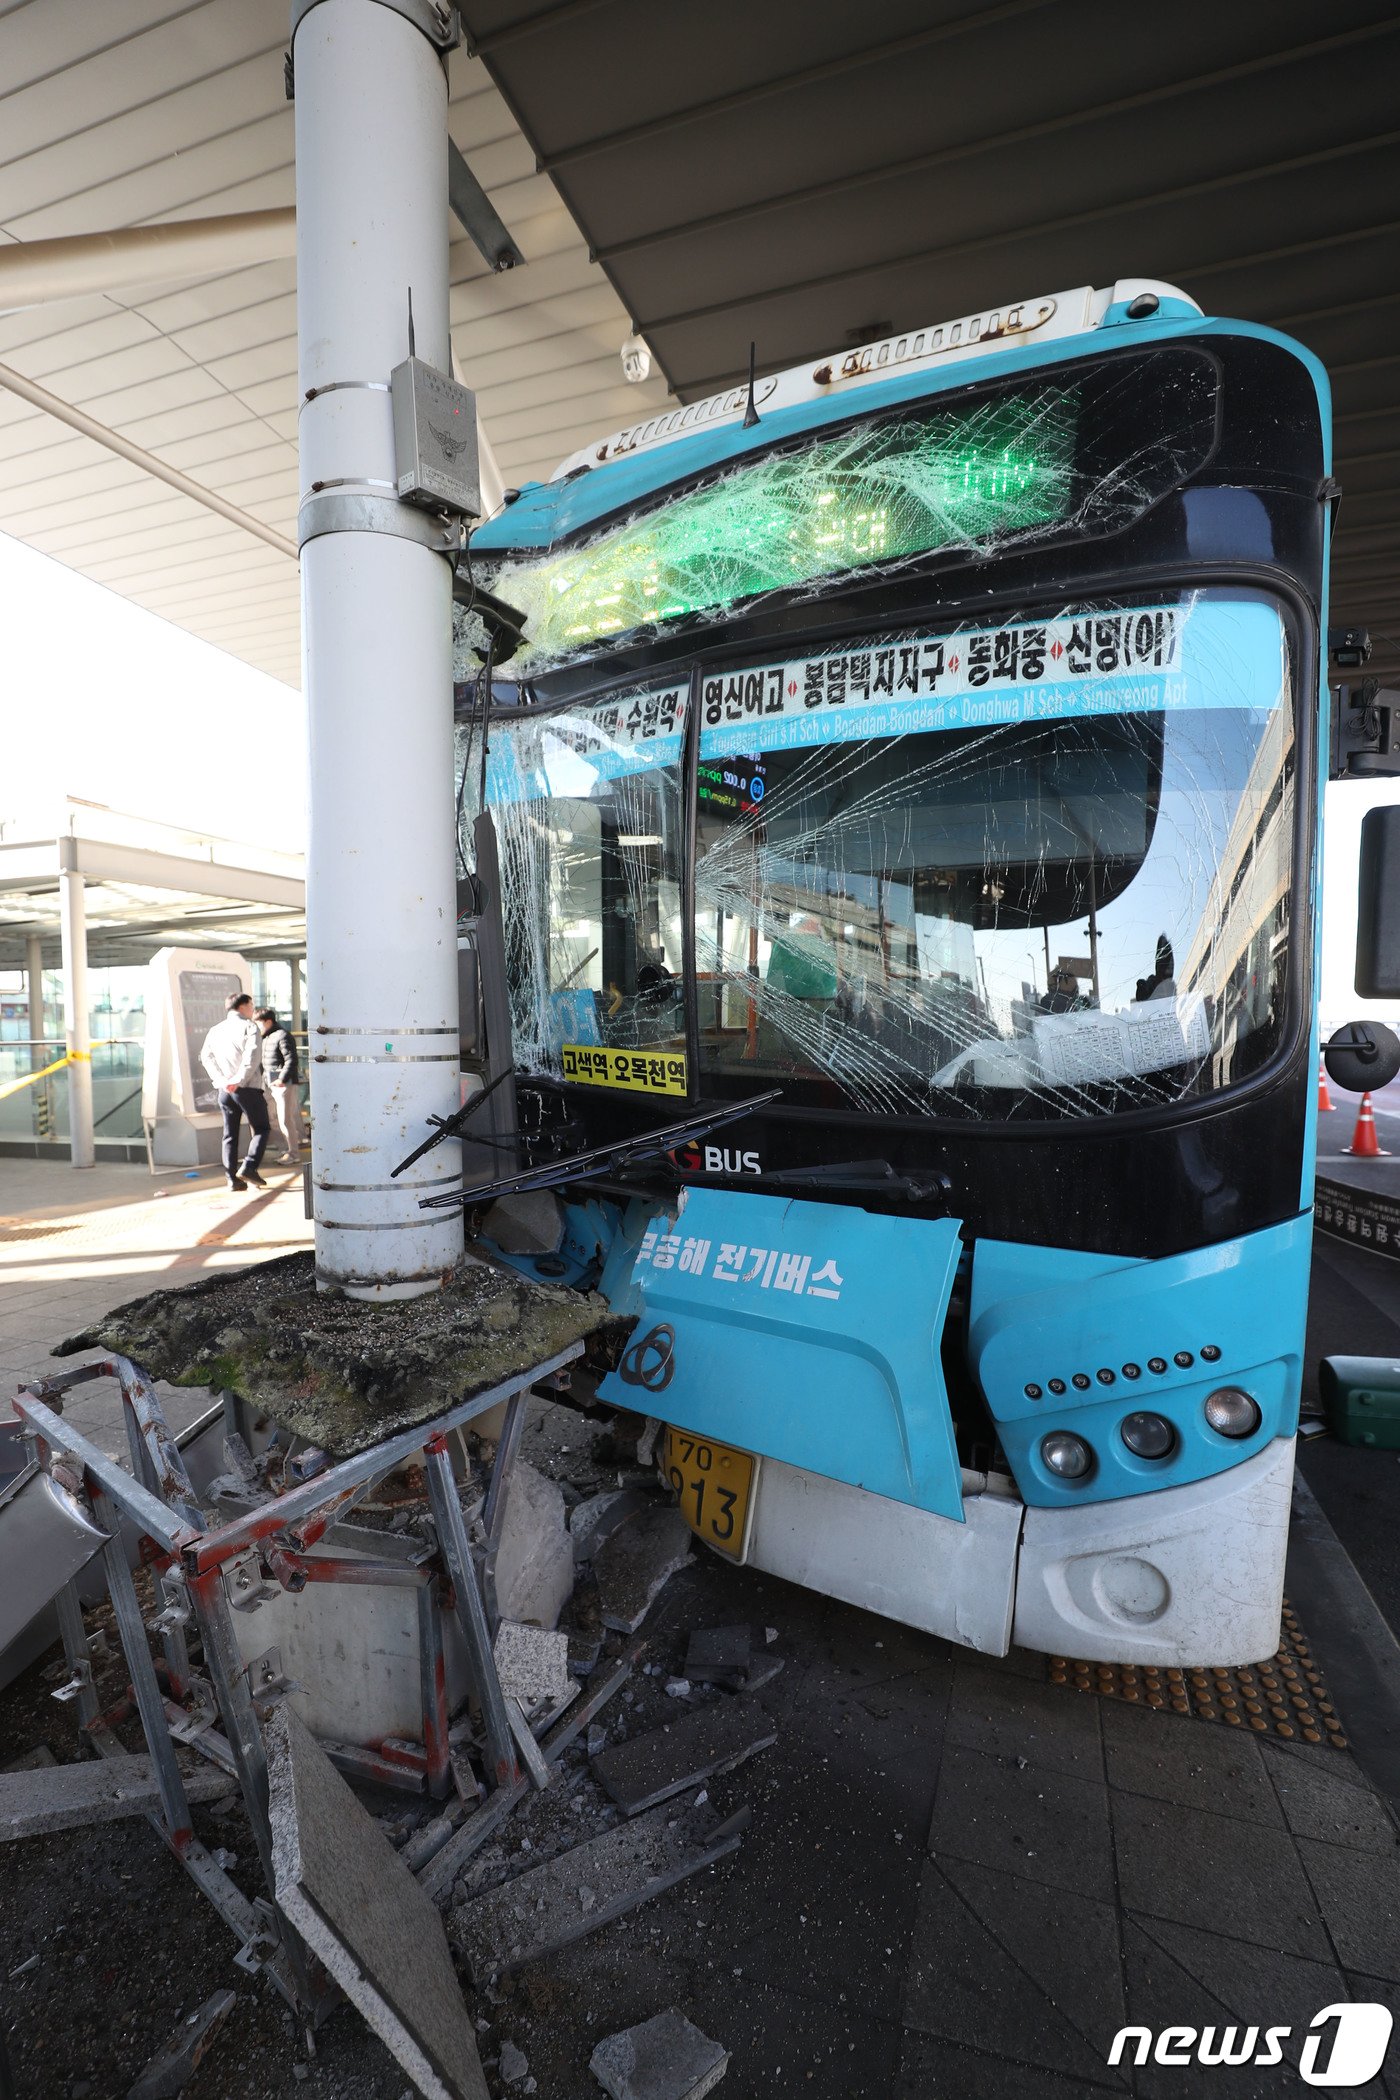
{"x":205,"y":1575}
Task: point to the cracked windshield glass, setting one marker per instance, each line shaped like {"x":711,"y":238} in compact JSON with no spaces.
{"x":1037,"y":868}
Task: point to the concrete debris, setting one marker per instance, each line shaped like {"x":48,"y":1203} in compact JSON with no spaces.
{"x":652,"y":1767}
{"x":677,"y":1687}
{"x":718,"y":1653}
{"x":592,"y":1523}
{"x":69,"y":1797}
{"x":539,"y":1912}
{"x":637,"y":1562}
{"x":515,"y":2064}
{"x":724,"y":1655}
{"x":531,"y":1663}
{"x":357,"y":1906}
{"x":646,"y":1442}
{"x":535,"y":1556}
{"x":762,"y":1670}
{"x":35,"y":1760}
{"x":171,"y":2071}
{"x":666,"y":2058}
{"x":345,"y":1373}
{"x":585,"y":1651}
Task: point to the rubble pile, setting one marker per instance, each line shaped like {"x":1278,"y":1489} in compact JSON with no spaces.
{"x":345,"y":1373}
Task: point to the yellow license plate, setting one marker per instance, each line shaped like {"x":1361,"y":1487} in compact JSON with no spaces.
{"x":714,"y":1485}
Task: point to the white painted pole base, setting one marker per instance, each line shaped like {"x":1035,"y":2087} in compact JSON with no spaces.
{"x":381,"y":933}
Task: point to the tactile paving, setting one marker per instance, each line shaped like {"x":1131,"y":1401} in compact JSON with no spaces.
{"x":1285,"y":1696}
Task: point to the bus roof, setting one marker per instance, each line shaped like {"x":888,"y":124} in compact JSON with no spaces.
{"x":623,"y":466}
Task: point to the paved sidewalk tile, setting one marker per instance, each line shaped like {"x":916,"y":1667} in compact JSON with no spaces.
{"x":1025,"y":1819}
{"x":1033,"y":1969}
{"x":1210,"y":1871}
{"x":1169,"y":1758}
{"x":1180,"y":1977}
{"x":1360,"y":1898}
{"x":1011,"y":1715}
{"x":1322,"y":1801}
{"x":930,"y":2067}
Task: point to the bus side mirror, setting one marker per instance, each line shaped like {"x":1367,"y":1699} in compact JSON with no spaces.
{"x":1378,"y":905}
{"x":1362,"y":1057}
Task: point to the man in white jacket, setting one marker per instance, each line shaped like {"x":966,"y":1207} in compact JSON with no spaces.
{"x":232,"y":1056}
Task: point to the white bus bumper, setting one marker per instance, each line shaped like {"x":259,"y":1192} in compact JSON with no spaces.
{"x":1188,"y":1575}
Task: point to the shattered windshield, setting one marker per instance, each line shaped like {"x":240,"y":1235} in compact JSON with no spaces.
{"x":588,"y":809}
{"x":1036,"y":869}
{"x":1087,"y":452}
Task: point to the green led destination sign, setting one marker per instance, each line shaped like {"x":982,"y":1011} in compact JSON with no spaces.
{"x":876,"y":492}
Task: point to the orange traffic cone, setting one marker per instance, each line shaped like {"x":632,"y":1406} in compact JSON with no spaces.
{"x":1324,"y":1099}
{"x":1363,"y":1140}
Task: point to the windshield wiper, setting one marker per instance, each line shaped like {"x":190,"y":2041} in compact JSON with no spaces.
{"x":624,"y":1152}
{"x":876,"y":1175}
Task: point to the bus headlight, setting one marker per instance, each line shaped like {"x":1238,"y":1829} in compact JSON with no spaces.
{"x":1232,"y":1412}
{"x":1066,"y":1454}
{"x":1148,"y":1436}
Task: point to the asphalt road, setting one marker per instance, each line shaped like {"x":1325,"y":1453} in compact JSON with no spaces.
{"x":1354,"y":1310}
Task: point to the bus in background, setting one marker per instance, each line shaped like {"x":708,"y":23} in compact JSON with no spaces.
{"x":925,"y":745}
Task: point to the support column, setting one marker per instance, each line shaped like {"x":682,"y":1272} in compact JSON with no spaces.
{"x":294,"y":1018}
{"x":371,"y":156}
{"x":75,"y":1006}
{"x":34,"y":974}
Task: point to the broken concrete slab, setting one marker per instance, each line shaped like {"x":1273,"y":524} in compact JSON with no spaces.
{"x":535,"y":1554}
{"x":593,"y":1522}
{"x":716,"y":1654}
{"x":34,"y":1760}
{"x":69,"y":1797}
{"x":665,"y":2058}
{"x":345,"y":1373}
{"x":637,"y":1562}
{"x":532,"y":1664}
{"x":543,"y":1910}
{"x":354,"y":1902}
{"x":762,"y":1670}
{"x":168,"y":2074}
{"x":650,"y":1768}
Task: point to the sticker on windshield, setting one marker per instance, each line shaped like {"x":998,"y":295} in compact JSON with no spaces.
{"x":637,"y":1071}
{"x":1137,"y":660}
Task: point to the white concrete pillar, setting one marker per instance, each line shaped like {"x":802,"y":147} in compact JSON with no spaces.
{"x":73,"y":926}
{"x":371,"y":146}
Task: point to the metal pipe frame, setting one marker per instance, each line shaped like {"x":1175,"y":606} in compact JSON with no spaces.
{"x":158,"y":1498}
{"x":471,"y":1611}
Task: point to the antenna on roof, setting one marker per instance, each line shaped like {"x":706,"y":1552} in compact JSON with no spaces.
{"x":411,"y":351}
{"x":751,"y":415}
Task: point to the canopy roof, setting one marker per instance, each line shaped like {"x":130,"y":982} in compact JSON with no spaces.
{"x":147,"y":886}
{"x":811,"y":175}
{"x":806,"y":176}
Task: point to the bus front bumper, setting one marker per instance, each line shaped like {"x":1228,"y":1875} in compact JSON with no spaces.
{"x":1187,"y":1575}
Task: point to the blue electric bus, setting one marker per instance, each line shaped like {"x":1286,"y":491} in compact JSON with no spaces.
{"x":922,"y":745}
